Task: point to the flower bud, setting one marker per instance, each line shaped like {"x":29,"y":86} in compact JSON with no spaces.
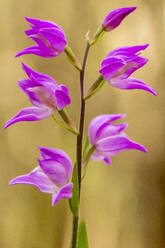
{"x":115,"y":17}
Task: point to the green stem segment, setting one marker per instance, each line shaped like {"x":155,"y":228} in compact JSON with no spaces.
{"x":75,"y":231}
{"x":74,"y":131}
{"x":98,"y":35}
{"x":96,"y":86}
{"x":66,"y":118}
{"x":82,"y":116}
{"x":80,"y":140}
{"x":72,"y":58}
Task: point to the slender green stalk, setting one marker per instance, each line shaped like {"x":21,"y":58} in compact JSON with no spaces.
{"x":74,"y":131}
{"x":82,"y":116}
{"x":96,"y":86}
{"x":72,"y":58}
{"x":80,"y":140}
{"x":75,"y":231}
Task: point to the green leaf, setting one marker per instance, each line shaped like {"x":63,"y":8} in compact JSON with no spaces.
{"x":74,"y":201}
{"x":82,"y":236}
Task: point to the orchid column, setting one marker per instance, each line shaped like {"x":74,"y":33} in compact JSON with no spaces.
{"x":55,"y":173}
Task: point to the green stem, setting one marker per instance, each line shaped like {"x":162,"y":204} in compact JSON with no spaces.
{"x":82,"y":116}
{"x":75,"y":232}
{"x":72,"y":58}
{"x":96,"y":86}
{"x":98,"y":35}
{"x":80,"y":140}
{"x":65,"y":127}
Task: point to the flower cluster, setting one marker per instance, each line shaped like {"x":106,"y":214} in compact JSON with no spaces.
{"x":54,"y":173}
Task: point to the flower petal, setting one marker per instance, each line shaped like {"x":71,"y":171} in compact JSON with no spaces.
{"x":125,"y":51}
{"x":110,"y":66}
{"x":41,"y":23}
{"x":110,"y":130}
{"x":131,"y":83}
{"x":55,"y":171}
{"x":98,"y":123}
{"x":40,"y":77}
{"x":26,"y":85}
{"x":62,"y":99}
{"x":36,"y":178}
{"x":114,"y":144}
{"x":63,"y":193}
{"x":55,"y":37}
{"x":30,"y":114}
{"x":97,"y":157}
{"x":31,"y":50}
{"x":58,"y":156}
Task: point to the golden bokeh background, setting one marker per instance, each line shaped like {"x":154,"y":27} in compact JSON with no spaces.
{"x":124,"y":204}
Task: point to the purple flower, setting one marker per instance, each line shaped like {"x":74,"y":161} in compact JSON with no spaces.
{"x":115,"y":17}
{"x":119,"y":64}
{"x":109,"y":139}
{"x":52,"y":175}
{"x":50,"y":38}
{"x":44,"y":94}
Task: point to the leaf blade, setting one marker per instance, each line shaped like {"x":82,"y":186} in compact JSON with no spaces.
{"x":74,"y":201}
{"x":82,"y":236}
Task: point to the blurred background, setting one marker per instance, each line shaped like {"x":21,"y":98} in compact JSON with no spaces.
{"x":124,"y":204}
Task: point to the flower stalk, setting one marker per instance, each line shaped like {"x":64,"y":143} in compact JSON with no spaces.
{"x":96,"y":86}
{"x":72,"y":58}
{"x":80,"y":140}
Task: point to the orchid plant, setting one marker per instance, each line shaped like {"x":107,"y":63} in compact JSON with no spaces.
{"x":55,"y":173}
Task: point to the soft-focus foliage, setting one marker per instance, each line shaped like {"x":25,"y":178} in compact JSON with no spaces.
{"x":123,"y":204}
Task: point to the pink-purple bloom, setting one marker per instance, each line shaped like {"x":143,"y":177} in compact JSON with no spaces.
{"x":50,"y":38}
{"x":120,"y":63}
{"x":115,"y":17}
{"x":52,"y":176}
{"x":109,"y":139}
{"x":44,"y":93}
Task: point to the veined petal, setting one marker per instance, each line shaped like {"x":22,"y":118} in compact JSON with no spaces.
{"x":131,"y":83}
{"x":30,"y":114}
{"x":36,"y":178}
{"x":97,"y":157}
{"x":55,"y":37}
{"x":114,"y":144}
{"x":110,"y":130}
{"x":31,"y":50}
{"x":37,"y":75}
{"x":42,"y":23}
{"x":62,"y":99}
{"x":98,"y":123}
{"x":110,"y":65}
{"x":130,"y":50}
{"x":133,"y":64}
{"x":63,"y":193}
{"x":58,"y":156}
{"x":26,"y":85}
{"x":55,"y":171}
